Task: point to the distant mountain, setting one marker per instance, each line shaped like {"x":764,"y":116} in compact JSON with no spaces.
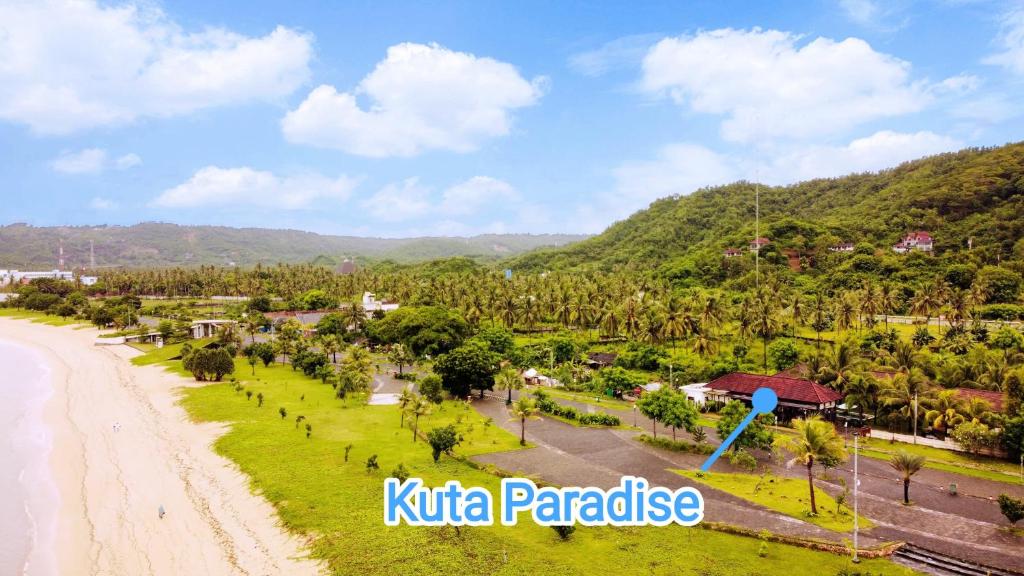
{"x":157,"y":244}
{"x":975,"y":195}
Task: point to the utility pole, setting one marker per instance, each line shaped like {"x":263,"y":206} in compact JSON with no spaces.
{"x":915,"y":417}
{"x":757,"y":232}
{"x":60,"y":257}
{"x":856,"y":482}
{"x":92,"y":256}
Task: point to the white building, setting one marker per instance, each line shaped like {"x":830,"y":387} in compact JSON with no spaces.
{"x":88,"y":280}
{"x":18,"y":276}
{"x":914,"y":241}
{"x":697,"y":393}
{"x":371,"y":304}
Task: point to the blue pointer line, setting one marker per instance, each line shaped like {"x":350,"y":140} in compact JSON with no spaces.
{"x":763,"y":401}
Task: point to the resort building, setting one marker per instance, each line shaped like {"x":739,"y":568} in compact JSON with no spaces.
{"x":843,"y":247}
{"x":596,"y":360}
{"x":797,"y":397}
{"x":758,"y":243}
{"x":208,"y":328}
{"x":914,"y":241}
{"x":371,"y":304}
{"x":22,"y":277}
{"x":732,"y":252}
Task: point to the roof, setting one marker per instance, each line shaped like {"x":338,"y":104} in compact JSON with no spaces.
{"x":605,"y":358}
{"x":759,"y":241}
{"x":347,"y":267}
{"x":787,"y":389}
{"x":994,"y":399}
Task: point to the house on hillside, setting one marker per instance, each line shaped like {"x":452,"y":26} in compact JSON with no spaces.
{"x":797,"y":397}
{"x":732,"y":252}
{"x":842,"y":247}
{"x":914,"y":241}
{"x":758,"y":243}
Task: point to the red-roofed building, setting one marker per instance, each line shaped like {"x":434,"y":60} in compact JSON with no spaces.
{"x":914,"y":241}
{"x":797,"y":397}
{"x":732,"y":253}
{"x":993,"y":398}
{"x":757,"y":243}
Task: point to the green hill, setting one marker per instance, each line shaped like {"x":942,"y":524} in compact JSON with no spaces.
{"x":975,"y":194}
{"x":156,"y":244}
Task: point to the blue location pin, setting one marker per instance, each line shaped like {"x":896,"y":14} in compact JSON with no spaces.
{"x":764,"y":401}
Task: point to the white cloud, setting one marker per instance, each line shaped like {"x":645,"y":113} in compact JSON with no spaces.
{"x":99,"y":203}
{"x":478,"y":192}
{"x":418,"y":98}
{"x":677,"y":169}
{"x":399,"y":201}
{"x":767,"y":84}
{"x":127,"y":161}
{"x":619,"y":53}
{"x":245,"y":187}
{"x":1011,"y":40}
{"x":880,"y":150}
{"x":87,"y":161}
{"x":92,"y":161}
{"x":70,"y":65}
{"x":862,"y":11}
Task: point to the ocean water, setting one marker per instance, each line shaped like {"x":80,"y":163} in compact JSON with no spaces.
{"x":29,"y":500}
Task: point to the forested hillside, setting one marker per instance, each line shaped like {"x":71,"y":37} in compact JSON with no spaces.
{"x":156,"y":244}
{"x":972,"y":194}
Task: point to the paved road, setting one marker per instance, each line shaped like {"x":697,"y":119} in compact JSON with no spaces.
{"x":966,"y":526}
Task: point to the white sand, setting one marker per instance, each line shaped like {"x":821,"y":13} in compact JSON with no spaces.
{"x":112,"y":482}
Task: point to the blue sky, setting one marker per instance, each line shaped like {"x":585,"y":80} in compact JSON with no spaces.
{"x":402,"y":119}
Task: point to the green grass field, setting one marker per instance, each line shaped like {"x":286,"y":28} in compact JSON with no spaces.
{"x":790,"y":496}
{"x":945,"y":460}
{"x":338,"y":505}
{"x":39,"y":317}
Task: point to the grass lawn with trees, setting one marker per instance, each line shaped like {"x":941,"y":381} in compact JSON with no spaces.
{"x":338,"y":504}
{"x":786,"y":495}
{"x":946,"y":460}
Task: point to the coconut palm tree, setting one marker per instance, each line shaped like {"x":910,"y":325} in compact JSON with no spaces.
{"x":508,"y":379}
{"x":525,"y":408}
{"x":819,"y":316}
{"x":419,"y":407}
{"x":886,"y":302}
{"x":862,"y":391}
{"x":405,"y":399}
{"x":814,"y":439}
{"x":766,"y":322}
{"x":906,"y":465}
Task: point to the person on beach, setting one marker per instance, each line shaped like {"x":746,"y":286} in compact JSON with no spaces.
{"x":161,"y":512}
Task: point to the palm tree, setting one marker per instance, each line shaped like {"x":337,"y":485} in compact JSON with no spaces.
{"x":923,"y":303}
{"x":814,"y":439}
{"x":523,"y":409}
{"x":405,"y":399}
{"x":819,"y":316}
{"x":886,"y":302}
{"x":673,"y":325}
{"x":901,"y":395}
{"x":796,"y":311}
{"x":508,"y":379}
{"x":420,"y":407}
{"x":907,"y":465}
{"x":766,"y":323}
{"x":862,"y":392}
{"x":843,"y":363}
{"x":845,"y":311}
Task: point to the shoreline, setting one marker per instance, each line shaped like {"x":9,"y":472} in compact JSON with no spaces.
{"x":121,"y":448}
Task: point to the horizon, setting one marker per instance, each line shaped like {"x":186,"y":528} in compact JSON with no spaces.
{"x":403,"y":121}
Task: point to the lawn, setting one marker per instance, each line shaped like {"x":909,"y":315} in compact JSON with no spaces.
{"x":338,"y":504}
{"x":39,"y":317}
{"x":154,"y":355}
{"x":945,"y":460}
{"x":590,"y":398}
{"x":788,"y":496}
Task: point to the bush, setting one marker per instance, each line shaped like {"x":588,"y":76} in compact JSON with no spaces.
{"x":443,"y":440}
{"x":400,"y":472}
{"x":208,"y":363}
{"x":743,"y":459}
{"x":564,"y":531}
{"x":677,"y":445}
{"x":1012,"y":508}
{"x":1001,"y":312}
{"x":548,"y":406}
{"x":782,"y":354}
{"x":430,"y":388}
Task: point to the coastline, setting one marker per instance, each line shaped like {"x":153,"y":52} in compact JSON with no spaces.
{"x":122,"y":447}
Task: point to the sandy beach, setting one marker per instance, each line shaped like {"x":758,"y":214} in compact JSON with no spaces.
{"x":121,"y":449}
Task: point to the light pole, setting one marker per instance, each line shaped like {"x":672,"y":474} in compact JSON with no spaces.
{"x":856,"y":481}
{"x":634,"y":414}
{"x":915,"y":418}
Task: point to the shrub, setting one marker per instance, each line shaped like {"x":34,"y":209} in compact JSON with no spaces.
{"x":743,"y":460}
{"x":1001,"y":312}
{"x":371,"y":463}
{"x":677,"y":445}
{"x":282,"y":412}
{"x":548,"y":406}
{"x":564,"y":531}
{"x":1012,"y":508}
{"x":443,"y":440}
{"x":400,"y":472}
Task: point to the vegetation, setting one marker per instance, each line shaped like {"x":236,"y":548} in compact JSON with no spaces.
{"x":814,"y":441}
{"x":906,"y":465}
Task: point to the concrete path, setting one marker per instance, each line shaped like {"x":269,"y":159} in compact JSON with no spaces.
{"x":968,"y":526}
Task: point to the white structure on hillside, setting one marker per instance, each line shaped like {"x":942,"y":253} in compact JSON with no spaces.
{"x":914,"y":241}
{"x":371,"y":304}
{"x":208,"y":328}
